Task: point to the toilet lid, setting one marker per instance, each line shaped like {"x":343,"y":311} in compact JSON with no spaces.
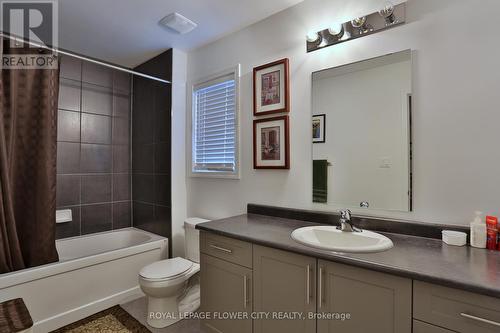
{"x":166,"y":269}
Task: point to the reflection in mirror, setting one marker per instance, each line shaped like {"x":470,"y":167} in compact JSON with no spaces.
{"x":361,"y":134}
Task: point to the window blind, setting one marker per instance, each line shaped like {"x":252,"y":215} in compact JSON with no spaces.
{"x":214,"y":135}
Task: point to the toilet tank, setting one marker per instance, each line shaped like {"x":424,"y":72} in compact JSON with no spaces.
{"x":192,"y":242}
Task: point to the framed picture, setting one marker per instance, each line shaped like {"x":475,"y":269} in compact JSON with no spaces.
{"x":271,"y":144}
{"x":271,"y":88}
{"x":318,"y":128}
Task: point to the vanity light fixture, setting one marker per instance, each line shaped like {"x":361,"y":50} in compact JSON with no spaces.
{"x":388,"y":17}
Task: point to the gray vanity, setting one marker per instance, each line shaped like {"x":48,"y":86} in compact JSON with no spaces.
{"x":250,"y":264}
{"x":264,"y":265}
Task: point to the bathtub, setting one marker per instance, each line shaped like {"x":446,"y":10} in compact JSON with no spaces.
{"x":94,"y":272}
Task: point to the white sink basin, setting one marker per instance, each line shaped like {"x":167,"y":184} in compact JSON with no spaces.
{"x":332,"y":239}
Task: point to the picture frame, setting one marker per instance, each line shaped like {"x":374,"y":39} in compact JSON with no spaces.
{"x":271,"y":143}
{"x":318,"y":128}
{"x":271,"y":88}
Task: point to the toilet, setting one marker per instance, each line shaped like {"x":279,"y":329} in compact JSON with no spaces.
{"x":167,"y":282}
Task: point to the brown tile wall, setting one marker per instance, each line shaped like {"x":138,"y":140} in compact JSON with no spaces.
{"x":151,"y":147}
{"x":93,"y":159}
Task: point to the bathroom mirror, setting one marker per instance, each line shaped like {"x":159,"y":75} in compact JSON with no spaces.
{"x":361,"y":130}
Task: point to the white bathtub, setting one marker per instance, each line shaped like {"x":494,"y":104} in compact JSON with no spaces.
{"x":93,"y":273}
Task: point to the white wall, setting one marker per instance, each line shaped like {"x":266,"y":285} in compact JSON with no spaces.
{"x":366,"y":126}
{"x":179,"y":195}
{"x":456,"y":110}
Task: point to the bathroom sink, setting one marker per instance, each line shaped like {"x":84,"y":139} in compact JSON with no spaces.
{"x":332,"y":239}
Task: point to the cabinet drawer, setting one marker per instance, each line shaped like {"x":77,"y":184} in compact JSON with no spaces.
{"x":421,"y":327}
{"x":455,"y":309}
{"x":225,"y":248}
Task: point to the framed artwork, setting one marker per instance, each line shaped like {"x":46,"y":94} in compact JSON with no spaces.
{"x":271,"y":144}
{"x":271,"y":88}
{"x":318,"y":128}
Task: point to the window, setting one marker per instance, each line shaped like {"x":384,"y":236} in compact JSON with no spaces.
{"x":215,"y":127}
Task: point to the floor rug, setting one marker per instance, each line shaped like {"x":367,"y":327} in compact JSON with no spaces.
{"x":112,"y":320}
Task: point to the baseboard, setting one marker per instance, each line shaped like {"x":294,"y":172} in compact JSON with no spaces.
{"x":68,"y":317}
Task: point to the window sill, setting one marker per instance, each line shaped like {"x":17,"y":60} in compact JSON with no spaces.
{"x":235,"y":176}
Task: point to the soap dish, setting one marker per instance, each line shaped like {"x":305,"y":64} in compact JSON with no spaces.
{"x":456,"y":238}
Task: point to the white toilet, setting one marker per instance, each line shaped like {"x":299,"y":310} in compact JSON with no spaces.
{"x":165,"y":282}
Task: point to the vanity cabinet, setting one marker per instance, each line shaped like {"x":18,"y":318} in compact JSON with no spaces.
{"x":284,"y":282}
{"x":376,"y":302}
{"x":302,"y":294}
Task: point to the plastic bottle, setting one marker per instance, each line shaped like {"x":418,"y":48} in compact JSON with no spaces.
{"x":491,"y":232}
{"x":478,"y":232}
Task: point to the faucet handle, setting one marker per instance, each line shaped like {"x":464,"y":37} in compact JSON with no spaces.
{"x":345,"y":214}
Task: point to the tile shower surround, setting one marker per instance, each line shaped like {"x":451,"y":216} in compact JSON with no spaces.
{"x":93,"y":159}
{"x":151,"y":138}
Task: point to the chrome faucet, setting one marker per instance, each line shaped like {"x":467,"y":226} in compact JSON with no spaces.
{"x":346,"y":223}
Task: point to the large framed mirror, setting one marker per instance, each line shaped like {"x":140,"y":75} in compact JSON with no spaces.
{"x":361,"y":128}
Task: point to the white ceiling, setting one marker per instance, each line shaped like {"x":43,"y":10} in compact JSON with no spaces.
{"x":127,"y":32}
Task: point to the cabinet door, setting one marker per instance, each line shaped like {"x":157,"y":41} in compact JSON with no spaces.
{"x":375,"y":302}
{"x":284,"y":289}
{"x":225,"y":290}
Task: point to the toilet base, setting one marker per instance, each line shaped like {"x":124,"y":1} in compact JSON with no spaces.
{"x":162,"y":312}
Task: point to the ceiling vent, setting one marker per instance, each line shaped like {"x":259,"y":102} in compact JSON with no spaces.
{"x":178,"y":23}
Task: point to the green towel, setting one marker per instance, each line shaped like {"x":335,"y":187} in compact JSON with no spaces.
{"x":320,"y":181}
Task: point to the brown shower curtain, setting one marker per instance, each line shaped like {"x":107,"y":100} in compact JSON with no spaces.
{"x":28,"y":134}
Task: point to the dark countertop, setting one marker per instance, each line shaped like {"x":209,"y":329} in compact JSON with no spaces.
{"x":424,"y":259}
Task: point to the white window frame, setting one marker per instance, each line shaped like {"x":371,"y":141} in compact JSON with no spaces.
{"x":236,"y":174}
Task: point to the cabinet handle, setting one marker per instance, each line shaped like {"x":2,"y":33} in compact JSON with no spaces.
{"x":491,"y":322}
{"x":320,"y":287}
{"x":221,"y":248}
{"x":245,"y":293}
{"x":308,"y":284}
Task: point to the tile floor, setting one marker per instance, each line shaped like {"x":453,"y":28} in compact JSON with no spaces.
{"x":138,"y":310}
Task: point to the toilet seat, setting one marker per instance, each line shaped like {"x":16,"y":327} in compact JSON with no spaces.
{"x":167,"y":269}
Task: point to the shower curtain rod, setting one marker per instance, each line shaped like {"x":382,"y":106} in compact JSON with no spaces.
{"x":74,"y":55}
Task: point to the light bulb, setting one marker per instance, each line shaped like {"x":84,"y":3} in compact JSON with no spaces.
{"x":336,"y":30}
{"x":312,"y":37}
{"x":387,"y":12}
{"x":361,"y":25}
{"x":359,"y":22}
